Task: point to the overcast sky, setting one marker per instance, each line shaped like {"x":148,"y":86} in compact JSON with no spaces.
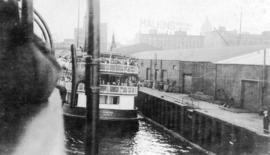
{"x":123,"y":16}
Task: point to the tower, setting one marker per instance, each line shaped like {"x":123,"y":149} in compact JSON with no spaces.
{"x":206,"y":27}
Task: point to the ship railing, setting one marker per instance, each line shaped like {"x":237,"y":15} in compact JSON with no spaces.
{"x":106,"y":89}
{"x":115,"y":68}
{"x":119,"y":68}
{"x":114,"y":89}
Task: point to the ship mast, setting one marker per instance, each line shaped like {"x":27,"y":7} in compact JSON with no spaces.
{"x":78,"y":26}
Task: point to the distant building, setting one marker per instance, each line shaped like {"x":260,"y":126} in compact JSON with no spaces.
{"x":80,"y":33}
{"x":178,"y":40}
{"x":64,"y":44}
{"x":222,"y":37}
{"x":79,"y":37}
{"x":103,"y":37}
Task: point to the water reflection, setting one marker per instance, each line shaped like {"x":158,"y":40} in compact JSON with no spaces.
{"x":119,"y":138}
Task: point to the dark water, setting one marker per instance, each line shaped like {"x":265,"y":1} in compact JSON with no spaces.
{"x":136,"y":138}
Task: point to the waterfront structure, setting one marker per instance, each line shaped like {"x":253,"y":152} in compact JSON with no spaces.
{"x":241,"y":83}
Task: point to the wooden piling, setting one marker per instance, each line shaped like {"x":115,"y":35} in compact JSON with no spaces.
{"x":175,"y":122}
{"x":194,"y":127}
{"x":182,"y":120}
{"x":213,"y":134}
{"x":166,"y":114}
{"x":162,"y":112}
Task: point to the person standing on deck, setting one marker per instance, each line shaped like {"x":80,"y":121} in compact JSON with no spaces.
{"x":266,"y":121}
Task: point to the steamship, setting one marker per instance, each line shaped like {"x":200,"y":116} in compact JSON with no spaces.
{"x":118,"y":87}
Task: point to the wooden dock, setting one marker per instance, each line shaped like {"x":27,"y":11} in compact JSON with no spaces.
{"x":250,"y":121}
{"x":205,"y":124}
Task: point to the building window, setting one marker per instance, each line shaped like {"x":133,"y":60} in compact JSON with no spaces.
{"x":156,"y":73}
{"x":148,"y":74}
{"x":163,"y":74}
{"x":174,"y":67}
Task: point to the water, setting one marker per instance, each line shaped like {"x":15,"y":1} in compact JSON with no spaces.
{"x":141,"y":138}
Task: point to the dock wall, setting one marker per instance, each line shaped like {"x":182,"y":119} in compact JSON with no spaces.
{"x":209,"y":133}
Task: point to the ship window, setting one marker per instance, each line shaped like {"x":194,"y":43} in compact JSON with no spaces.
{"x":114,"y":100}
{"x":102,"y":99}
{"x":109,"y":100}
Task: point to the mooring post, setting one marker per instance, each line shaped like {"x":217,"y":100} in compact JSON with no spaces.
{"x":92,"y":78}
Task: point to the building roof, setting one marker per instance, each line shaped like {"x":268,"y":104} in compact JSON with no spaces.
{"x":134,"y":48}
{"x":199,"y":54}
{"x":254,"y":58}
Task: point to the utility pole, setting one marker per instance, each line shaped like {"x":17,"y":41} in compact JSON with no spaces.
{"x":263,"y":77}
{"x":92,"y":78}
{"x":240,"y":28}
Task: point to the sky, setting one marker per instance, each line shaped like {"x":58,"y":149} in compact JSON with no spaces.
{"x":123,"y":16}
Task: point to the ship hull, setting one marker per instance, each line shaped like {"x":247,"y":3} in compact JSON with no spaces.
{"x":104,"y":114}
